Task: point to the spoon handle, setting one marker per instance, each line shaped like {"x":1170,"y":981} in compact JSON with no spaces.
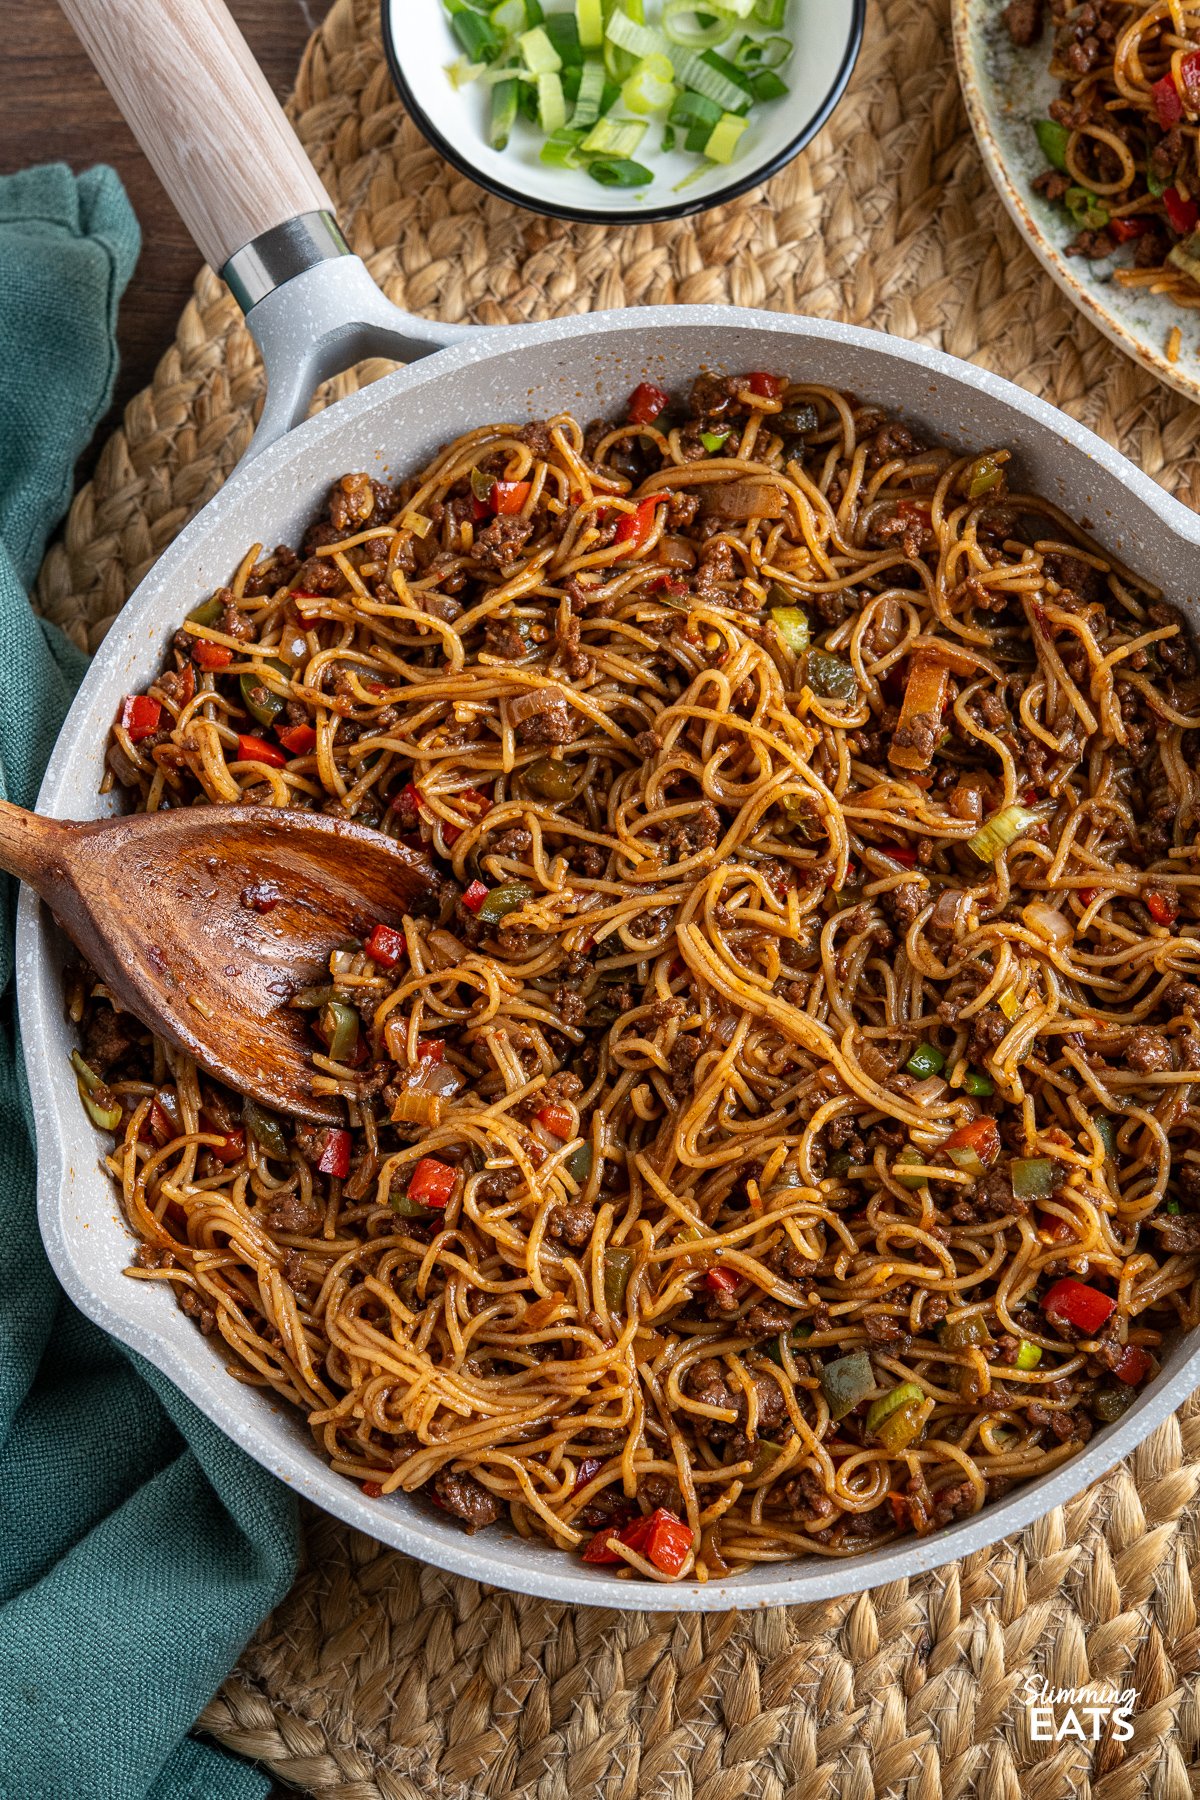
{"x":34,"y":849}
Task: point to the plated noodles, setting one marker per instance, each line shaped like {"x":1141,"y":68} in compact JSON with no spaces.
{"x":780,"y":1137}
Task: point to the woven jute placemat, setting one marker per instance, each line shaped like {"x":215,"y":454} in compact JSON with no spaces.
{"x":381,"y":1680}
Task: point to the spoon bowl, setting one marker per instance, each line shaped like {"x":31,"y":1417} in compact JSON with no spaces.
{"x":205,"y":922}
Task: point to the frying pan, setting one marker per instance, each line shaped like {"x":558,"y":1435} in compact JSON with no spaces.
{"x":224,"y":150}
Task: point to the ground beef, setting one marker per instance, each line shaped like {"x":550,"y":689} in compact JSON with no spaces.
{"x":569,"y":1007}
{"x":713,"y":396}
{"x":685,"y":1052}
{"x":108,"y":1037}
{"x":1179,"y":994}
{"x":766,"y":1318}
{"x":571,"y":1224}
{"x":682,"y":508}
{"x":705,"y":1381}
{"x":1072,"y":572}
{"x":904,"y":902}
{"x":1178,"y":1234}
{"x":351,"y":503}
{"x":1147,"y":1050}
{"x":994,"y":1197}
{"x":803,"y":1497}
{"x":537,"y":435}
{"x":1176,"y":654}
{"x":234,"y":623}
{"x":467,"y":1499}
{"x":953,"y":1502}
{"x":499,"y":544}
{"x":881,"y":1329}
{"x":716,"y":566}
{"x":290,"y":1212}
{"x":556,"y":722}
{"x":987,"y":1029}
{"x":689,"y":837}
{"x":517,"y":841}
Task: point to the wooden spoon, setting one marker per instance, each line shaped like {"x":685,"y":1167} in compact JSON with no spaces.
{"x":205,"y":921}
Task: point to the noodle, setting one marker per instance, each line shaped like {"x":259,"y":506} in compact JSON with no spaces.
{"x":809,"y":995}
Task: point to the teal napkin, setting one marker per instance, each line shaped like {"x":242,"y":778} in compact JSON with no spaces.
{"x":139,"y":1548}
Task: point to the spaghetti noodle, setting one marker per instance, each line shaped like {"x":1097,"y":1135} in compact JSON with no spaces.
{"x":780,"y":1137}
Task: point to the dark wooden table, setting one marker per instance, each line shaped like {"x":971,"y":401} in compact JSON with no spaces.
{"x":55,"y":109}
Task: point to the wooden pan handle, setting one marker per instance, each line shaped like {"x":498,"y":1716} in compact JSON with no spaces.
{"x":201,"y":108}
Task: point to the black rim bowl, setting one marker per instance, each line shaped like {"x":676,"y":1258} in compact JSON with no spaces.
{"x":680,"y":209}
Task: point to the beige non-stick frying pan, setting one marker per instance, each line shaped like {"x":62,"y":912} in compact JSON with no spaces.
{"x":227,"y":155}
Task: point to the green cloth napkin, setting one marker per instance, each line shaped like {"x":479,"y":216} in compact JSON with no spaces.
{"x":139,"y":1548}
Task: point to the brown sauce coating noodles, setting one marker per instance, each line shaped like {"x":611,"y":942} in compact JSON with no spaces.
{"x":811,"y":996}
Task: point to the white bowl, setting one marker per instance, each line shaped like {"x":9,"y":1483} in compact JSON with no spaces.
{"x":420,"y":46}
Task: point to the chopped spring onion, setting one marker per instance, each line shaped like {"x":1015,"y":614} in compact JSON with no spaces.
{"x":510,"y":16}
{"x":567,"y":67}
{"x":1106,"y":1131}
{"x":905,"y":1167}
{"x":695,"y":27}
{"x":791,"y":622}
{"x":614,"y":137}
{"x":561,"y":149}
{"x":540,"y":56}
{"x":503,"y":114}
{"x":903,"y":1395}
{"x":725,"y":137}
{"x":651,"y":86}
{"x":552,"y":107}
{"x":99,"y":1102}
{"x":713,"y":440}
{"x":589,"y":20}
{"x":478,"y":36}
{"x":1028,"y":1355}
{"x":619,"y":172}
{"x":590,"y":97}
{"x":753,"y":54}
{"x":1003,"y":829}
{"x":1008,"y":1003}
{"x":563,"y":33}
{"x":1052,"y":141}
{"x":977,"y":1085}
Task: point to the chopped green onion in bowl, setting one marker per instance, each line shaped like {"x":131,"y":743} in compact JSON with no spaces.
{"x":579,"y":81}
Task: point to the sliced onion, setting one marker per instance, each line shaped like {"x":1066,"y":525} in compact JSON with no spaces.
{"x":676,"y":552}
{"x":1048,"y":922}
{"x":737,"y":501}
{"x":539,"y":700}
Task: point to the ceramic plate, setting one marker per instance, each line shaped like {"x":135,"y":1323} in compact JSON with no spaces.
{"x":420,"y":47}
{"x":1005,"y":90}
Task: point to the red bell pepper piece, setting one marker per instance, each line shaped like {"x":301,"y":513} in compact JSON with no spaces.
{"x":473,"y":802}
{"x":413,"y":795}
{"x":1168,"y":102}
{"x":767,"y":387}
{"x":667,"y":1542}
{"x":1163,"y":905}
{"x":509,"y":496}
{"x":589,"y":1468}
{"x":1181,"y":213}
{"x":385,"y":946}
{"x":902,"y":853}
{"x":669,"y":584}
{"x":139,"y":716}
{"x":633,"y":528}
{"x":1051,"y":1225}
{"x":1134,"y":1366}
{"x":256,"y":749}
{"x":298,"y":739}
{"x":335,"y":1155}
{"x":1082,"y":1306}
{"x":432,"y":1182}
{"x":1124,"y":230}
{"x":646,"y":402}
{"x":1189,"y":78}
{"x":721,"y":1281}
{"x":1087,"y":895}
{"x":556,"y":1120}
{"x":211,"y":656}
{"x":475,"y":895}
{"x":232,"y":1147}
{"x":978,"y":1135}
{"x":372,"y":1490}
{"x":431,"y":1050}
{"x":598,"y":1551}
